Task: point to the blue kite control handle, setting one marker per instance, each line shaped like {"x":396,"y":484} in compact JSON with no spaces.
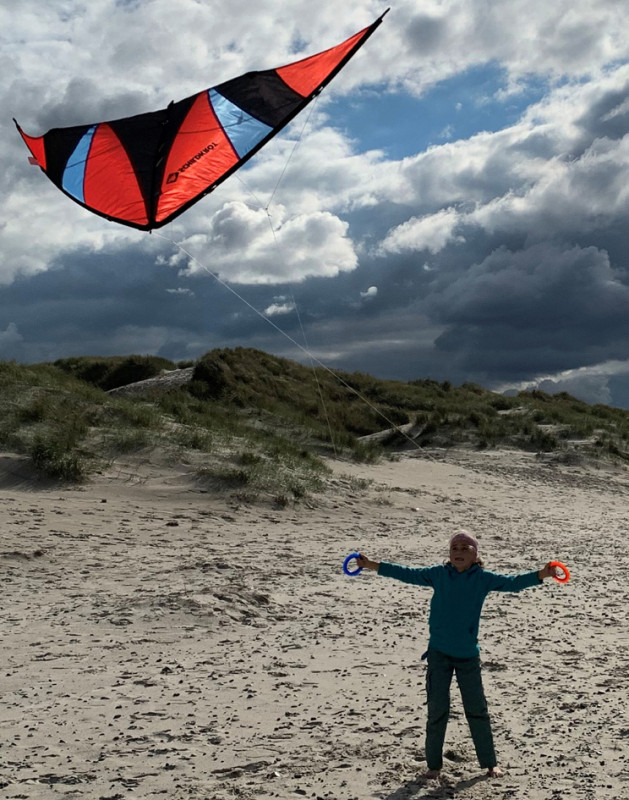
{"x":357,"y":571}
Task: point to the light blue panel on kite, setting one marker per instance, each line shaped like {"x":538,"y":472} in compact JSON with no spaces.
{"x":74,"y":173}
{"x":243,"y":130}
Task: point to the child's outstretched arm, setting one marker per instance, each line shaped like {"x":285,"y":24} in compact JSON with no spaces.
{"x":367,"y":563}
{"x":419,"y":576}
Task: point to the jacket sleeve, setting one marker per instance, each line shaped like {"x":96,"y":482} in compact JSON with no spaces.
{"x":419,"y":576}
{"x":511,"y":583}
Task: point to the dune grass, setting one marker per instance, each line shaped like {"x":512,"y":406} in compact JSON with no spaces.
{"x":258,"y":424}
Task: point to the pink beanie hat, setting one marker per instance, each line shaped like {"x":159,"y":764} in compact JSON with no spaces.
{"x":467,"y":538}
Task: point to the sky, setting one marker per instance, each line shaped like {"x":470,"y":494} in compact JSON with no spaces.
{"x":454,"y":205}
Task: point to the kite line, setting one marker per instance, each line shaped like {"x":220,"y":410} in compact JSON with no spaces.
{"x":286,"y":335}
{"x":266,"y":209}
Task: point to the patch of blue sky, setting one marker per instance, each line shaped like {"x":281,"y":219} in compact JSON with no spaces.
{"x":299,"y":47}
{"x":479,"y":99}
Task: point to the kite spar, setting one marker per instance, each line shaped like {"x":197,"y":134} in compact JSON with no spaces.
{"x":145,"y":170}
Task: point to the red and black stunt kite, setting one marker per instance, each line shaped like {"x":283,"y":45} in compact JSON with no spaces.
{"x":145,"y":170}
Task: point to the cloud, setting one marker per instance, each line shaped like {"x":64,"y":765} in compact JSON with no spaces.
{"x":566,"y":304}
{"x":431,"y":232}
{"x":591,"y":384}
{"x":281,"y":306}
{"x":589,"y":388}
{"x":554,"y":39}
{"x":247,"y":248}
{"x":10,"y":341}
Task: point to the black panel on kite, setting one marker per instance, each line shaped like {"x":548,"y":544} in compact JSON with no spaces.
{"x":145,"y":170}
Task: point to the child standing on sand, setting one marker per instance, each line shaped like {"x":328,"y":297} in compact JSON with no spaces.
{"x":459,"y":590}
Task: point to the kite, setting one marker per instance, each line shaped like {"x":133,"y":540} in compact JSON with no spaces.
{"x":145,"y":170}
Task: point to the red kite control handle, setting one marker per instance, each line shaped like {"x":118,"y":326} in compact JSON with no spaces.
{"x":566,"y":574}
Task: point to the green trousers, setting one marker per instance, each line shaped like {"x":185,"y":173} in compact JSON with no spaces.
{"x":440,"y":670}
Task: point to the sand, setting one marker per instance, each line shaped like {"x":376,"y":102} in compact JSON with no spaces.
{"x":159,"y":641}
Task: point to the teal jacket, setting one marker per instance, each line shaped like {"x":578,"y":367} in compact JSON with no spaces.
{"x":457,"y":601}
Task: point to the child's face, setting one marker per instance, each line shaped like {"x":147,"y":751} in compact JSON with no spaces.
{"x":462,"y":556}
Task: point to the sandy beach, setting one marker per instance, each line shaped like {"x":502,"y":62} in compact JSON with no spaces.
{"x":162,"y":641}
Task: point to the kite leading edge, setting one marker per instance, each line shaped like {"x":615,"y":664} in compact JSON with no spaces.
{"x":145,"y":170}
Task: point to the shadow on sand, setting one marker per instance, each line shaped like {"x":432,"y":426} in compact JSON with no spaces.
{"x":17,"y":472}
{"x":425,"y":788}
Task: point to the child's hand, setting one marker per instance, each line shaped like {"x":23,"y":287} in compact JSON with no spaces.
{"x":548,"y":572}
{"x":366,"y":563}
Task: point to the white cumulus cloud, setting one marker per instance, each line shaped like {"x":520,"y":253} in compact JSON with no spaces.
{"x":243,"y":246}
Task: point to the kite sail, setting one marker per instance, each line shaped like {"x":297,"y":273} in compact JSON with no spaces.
{"x":145,"y":170}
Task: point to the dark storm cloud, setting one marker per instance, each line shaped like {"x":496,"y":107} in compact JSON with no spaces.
{"x":104,"y":304}
{"x":109,"y":304}
{"x":510,"y":317}
{"x":513,"y":314}
{"x":609,"y":115}
{"x":554,"y":287}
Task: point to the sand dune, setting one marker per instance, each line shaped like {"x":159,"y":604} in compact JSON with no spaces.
{"x":159,"y":641}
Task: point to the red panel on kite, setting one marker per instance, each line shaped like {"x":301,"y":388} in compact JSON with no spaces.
{"x":200,"y":154}
{"x":110,"y":186}
{"x":145,"y":170}
{"x":306,"y":75}
{"x":36,"y":145}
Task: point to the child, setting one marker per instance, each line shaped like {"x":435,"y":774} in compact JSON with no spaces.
{"x":459,"y":590}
